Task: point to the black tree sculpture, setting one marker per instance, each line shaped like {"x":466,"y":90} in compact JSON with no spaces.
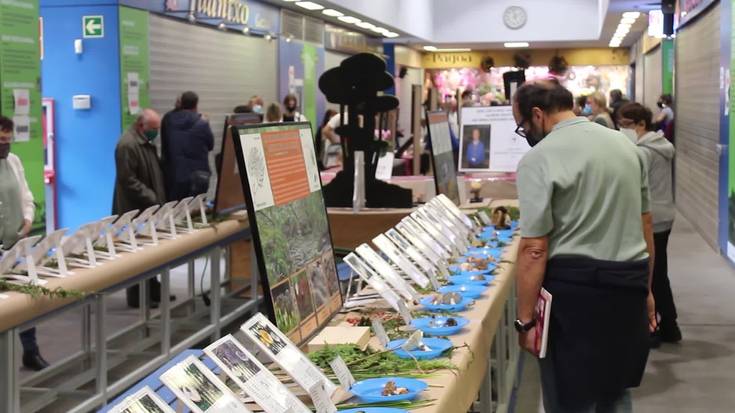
{"x":354,"y":85}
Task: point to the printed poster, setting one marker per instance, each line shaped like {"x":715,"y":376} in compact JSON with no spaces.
{"x":488,"y":141}
{"x":445,"y":171}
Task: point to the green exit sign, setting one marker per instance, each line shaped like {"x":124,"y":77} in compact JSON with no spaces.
{"x":93,"y":27}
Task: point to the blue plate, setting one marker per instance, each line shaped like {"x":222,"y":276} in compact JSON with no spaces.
{"x":424,"y":324}
{"x":374,"y":410}
{"x":473,"y":291}
{"x":437,"y":346}
{"x":465,"y":278}
{"x":460,"y":306}
{"x":370,"y":390}
{"x":456,"y":270}
{"x":484,"y":252}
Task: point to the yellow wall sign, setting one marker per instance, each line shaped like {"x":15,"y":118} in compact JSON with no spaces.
{"x":538,"y":57}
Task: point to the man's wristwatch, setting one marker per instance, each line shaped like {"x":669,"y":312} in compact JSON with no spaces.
{"x":522,"y":327}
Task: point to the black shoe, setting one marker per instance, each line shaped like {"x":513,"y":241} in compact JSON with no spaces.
{"x":171,"y":298}
{"x":34,"y":361}
{"x":670,"y":333}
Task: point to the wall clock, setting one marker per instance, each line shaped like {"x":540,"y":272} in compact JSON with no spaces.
{"x":514,"y":17}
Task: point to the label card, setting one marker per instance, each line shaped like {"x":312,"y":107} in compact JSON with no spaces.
{"x":322,"y":402}
{"x":379,"y":331}
{"x":422,"y":227}
{"x":384,"y":171}
{"x":409,"y":228}
{"x":413,"y":341}
{"x":373,"y":280}
{"x":405,"y":245}
{"x":455,"y":210}
{"x":405,"y":313}
{"x":252,"y":377}
{"x":144,"y":400}
{"x":346,"y":380}
{"x":387,"y":273}
{"x":284,"y":353}
{"x":485,"y":218}
{"x":445,"y":216}
{"x":387,"y":247}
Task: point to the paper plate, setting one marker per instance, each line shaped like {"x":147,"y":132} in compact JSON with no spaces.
{"x":437,"y":346}
{"x":473,"y":291}
{"x":370,"y":390}
{"x":374,"y":410}
{"x":425,"y":324}
{"x":460,"y":306}
{"x":464,"y":278}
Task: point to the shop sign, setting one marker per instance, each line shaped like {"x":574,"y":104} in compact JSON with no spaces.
{"x":450,"y":60}
{"x":233,"y":11}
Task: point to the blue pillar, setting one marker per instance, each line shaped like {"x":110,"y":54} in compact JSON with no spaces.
{"x":389,"y":50}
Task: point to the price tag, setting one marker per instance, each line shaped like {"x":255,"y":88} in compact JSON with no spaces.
{"x":322,"y":402}
{"x":379,"y":331}
{"x":405,"y":314}
{"x":343,"y":372}
{"x":384,"y":170}
{"x":413,"y":341}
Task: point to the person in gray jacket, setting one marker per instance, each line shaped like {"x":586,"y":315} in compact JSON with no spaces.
{"x":636,"y":123}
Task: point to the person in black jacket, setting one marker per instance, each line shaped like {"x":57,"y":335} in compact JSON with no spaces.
{"x":186,"y":140}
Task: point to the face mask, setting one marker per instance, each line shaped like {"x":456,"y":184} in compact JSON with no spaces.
{"x":291,"y":108}
{"x":150,"y":134}
{"x":587,"y":110}
{"x":660,"y":104}
{"x":630,"y":134}
{"x":4,"y":150}
{"x":533,"y":137}
{"x":258,"y":109}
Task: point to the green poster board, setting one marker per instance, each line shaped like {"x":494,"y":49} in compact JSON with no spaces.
{"x":667,"y":65}
{"x":310,"y":58}
{"x":134,"y":64}
{"x":20,"y":91}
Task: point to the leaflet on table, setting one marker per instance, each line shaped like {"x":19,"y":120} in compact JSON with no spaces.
{"x":430,"y":249}
{"x":429,"y":228}
{"x":284,"y":353}
{"x":455,"y":209}
{"x":384,"y":170}
{"x":405,"y":246}
{"x":340,"y":369}
{"x":387,"y":272}
{"x":200,"y":390}
{"x":254,"y":378}
{"x":387,"y":247}
{"x":373,"y":280}
{"x":144,"y":400}
{"x":412,"y":227}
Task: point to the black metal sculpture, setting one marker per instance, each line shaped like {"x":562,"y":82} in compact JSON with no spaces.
{"x":354,"y":85}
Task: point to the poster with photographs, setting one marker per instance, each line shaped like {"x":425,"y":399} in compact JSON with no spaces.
{"x":252,"y":377}
{"x":289,"y":223}
{"x":488,"y":141}
{"x":202,"y":392}
{"x":144,"y":400}
{"x":284,"y":353}
{"x":442,"y":155}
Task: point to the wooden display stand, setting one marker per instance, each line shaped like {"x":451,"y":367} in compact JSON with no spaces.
{"x":350,"y":229}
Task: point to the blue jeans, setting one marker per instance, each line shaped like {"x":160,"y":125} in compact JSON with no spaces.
{"x":623,"y":404}
{"x":28,"y":340}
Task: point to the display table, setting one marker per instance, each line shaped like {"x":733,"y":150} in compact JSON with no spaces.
{"x":19,"y":311}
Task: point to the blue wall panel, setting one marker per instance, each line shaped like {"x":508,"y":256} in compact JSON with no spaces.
{"x":85,"y":139}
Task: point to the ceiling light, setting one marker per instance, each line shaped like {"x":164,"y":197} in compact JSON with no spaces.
{"x":627,"y":20}
{"x":447,"y":50}
{"x":222,"y":26}
{"x":430,"y":48}
{"x":624,"y":26}
{"x":349,"y":19}
{"x":245,"y":30}
{"x":622,"y":32}
{"x":309,"y":5}
{"x":515,"y":44}
{"x":365,"y":25}
{"x":391,"y":34}
{"x":332,"y":13}
{"x":380,"y":30}
{"x":290,"y":1}
{"x":631,"y":14}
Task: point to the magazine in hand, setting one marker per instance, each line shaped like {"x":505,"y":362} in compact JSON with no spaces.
{"x":542,"y":312}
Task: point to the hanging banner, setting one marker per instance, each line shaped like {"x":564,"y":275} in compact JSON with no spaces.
{"x":20,"y":92}
{"x":299,"y":64}
{"x":134,"y":64}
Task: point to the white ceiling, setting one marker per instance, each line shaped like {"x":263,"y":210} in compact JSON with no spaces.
{"x":479,"y":23}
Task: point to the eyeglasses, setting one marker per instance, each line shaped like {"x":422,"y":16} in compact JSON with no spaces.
{"x":626,"y":123}
{"x":521,"y":131}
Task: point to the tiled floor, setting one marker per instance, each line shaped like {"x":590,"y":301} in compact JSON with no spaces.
{"x":697,"y":375}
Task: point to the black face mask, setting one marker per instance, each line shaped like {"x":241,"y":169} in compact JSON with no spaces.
{"x":291,"y":108}
{"x":4,"y":150}
{"x":660,"y":105}
{"x":533,"y":137}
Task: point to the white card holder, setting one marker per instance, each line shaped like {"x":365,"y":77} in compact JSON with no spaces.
{"x":455,"y":210}
{"x":44,"y":251}
{"x":422,"y":228}
{"x":405,"y":246}
{"x":394,"y":254}
{"x":181,"y":216}
{"x":198,"y":204}
{"x":144,"y":226}
{"x":387,"y":273}
{"x":455,"y":241}
{"x":460,"y":236}
{"x":373,"y":280}
{"x":123,"y":232}
{"x":106,"y":238}
{"x":18,"y":255}
{"x":445,"y":215}
{"x":164,"y":220}
{"x":431,"y":250}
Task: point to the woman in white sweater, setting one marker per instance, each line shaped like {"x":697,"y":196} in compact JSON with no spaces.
{"x":16,"y":217}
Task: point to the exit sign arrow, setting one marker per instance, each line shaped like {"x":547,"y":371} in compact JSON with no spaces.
{"x":93,"y":26}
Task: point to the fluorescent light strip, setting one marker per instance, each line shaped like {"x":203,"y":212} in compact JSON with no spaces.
{"x":624,"y":26}
{"x":631,"y":14}
{"x":515,"y":44}
{"x":349,"y":19}
{"x":627,"y":20}
{"x":309,"y":5}
{"x":449,"y":49}
{"x":391,"y":34}
{"x":365,"y":25}
{"x":380,"y":30}
{"x":332,"y":13}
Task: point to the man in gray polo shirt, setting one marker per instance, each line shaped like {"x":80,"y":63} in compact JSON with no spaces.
{"x":586,"y":238}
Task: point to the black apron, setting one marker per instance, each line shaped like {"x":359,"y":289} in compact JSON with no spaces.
{"x":598,"y":336}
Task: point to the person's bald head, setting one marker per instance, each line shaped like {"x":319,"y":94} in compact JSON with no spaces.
{"x":148,"y":120}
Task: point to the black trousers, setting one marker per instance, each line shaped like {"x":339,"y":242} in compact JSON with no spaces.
{"x":28,"y":340}
{"x":661,"y":286}
{"x":154,"y":292}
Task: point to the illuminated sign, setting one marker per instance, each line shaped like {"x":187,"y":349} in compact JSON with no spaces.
{"x":233,"y":11}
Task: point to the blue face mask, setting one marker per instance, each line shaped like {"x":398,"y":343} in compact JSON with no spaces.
{"x":258,"y":109}
{"x":587,"y":110}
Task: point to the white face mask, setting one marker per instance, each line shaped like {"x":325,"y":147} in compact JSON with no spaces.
{"x":630,"y":134}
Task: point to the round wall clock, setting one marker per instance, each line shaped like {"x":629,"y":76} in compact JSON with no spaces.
{"x":515,"y":17}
